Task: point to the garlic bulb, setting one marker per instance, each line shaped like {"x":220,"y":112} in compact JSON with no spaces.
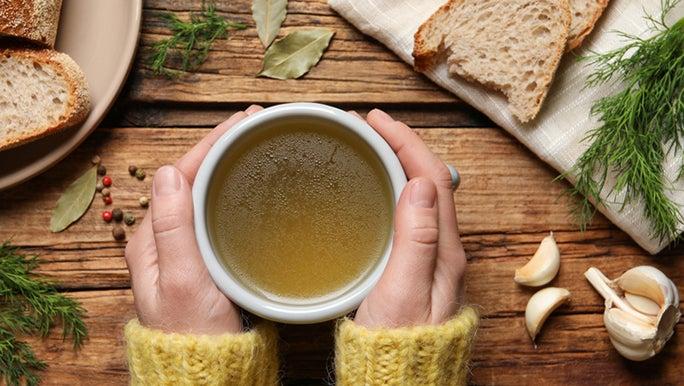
{"x":642,"y":309}
{"x":543,"y":266}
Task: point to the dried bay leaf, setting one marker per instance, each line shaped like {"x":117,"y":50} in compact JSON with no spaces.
{"x":295,"y":54}
{"x":75,"y":201}
{"x":268,"y":16}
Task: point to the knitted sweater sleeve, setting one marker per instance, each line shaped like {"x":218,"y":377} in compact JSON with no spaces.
{"x":159,"y":358}
{"x":422,"y":355}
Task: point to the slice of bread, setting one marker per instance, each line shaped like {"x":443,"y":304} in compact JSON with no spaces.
{"x":41,"y":92}
{"x":585,"y":14}
{"x":35,"y":21}
{"x":512,"y":46}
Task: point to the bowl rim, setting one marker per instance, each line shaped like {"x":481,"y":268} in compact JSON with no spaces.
{"x":230,"y":286}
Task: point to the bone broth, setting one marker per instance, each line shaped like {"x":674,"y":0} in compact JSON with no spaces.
{"x":300,"y":210}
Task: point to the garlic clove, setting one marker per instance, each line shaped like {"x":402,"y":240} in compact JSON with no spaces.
{"x":541,"y":305}
{"x":651,"y":283}
{"x":642,"y":304}
{"x":543,"y":266}
{"x":634,"y":339}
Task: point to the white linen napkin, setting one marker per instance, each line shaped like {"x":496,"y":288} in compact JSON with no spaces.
{"x":555,"y":135}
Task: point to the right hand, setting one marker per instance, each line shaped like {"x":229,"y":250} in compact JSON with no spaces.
{"x":423,"y":281}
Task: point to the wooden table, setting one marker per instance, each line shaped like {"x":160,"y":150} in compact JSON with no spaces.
{"x":506,"y":204}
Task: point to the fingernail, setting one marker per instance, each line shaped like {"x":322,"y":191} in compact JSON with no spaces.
{"x":423,"y":194}
{"x":382,"y":115}
{"x":167,"y":181}
{"x":253,"y":109}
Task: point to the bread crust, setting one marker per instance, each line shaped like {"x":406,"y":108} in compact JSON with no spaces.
{"x":78,"y":104}
{"x":424,"y":56}
{"x":35,"y":21}
{"x":588,"y":28}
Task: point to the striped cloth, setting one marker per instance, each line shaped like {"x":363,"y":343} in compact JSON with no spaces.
{"x":555,"y":135}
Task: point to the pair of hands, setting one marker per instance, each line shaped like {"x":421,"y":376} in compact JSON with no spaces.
{"x":421,"y":285}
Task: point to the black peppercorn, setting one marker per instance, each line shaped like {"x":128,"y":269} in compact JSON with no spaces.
{"x":129,"y":218}
{"x":118,"y":233}
{"x":140,"y":174}
{"x":132,"y":169}
{"x":101,"y":170}
{"x":117,"y":214}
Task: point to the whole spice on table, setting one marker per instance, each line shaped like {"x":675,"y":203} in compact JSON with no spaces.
{"x":107,"y":216}
{"x":642,"y":310}
{"x":101,"y":170}
{"x":140,"y":174}
{"x":106,"y":192}
{"x":99,"y":187}
{"x":268,"y":15}
{"x":192,"y":39}
{"x":107,"y":200}
{"x":75,"y":201}
{"x":118,"y":233}
{"x":129,"y":218}
{"x":541,"y":305}
{"x":543,"y":266}
{"x":107,"y":181}
{"x":144,"y":201}
{"x":117,"y":214}
{"x":31,"y":306}
{"x":132,"y":169}
{"x":295,"y":54}
{"x":95,"y":160}
{"x":639,"y":127}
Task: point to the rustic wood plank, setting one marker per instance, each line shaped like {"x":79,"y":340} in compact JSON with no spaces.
{"x":128,"y":113}
{"x":572,"y":349}
{"x":354,"y":69}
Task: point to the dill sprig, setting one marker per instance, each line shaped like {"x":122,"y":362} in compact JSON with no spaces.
{"x":29,"y":305}
{"x":639,"y":126}
{"x":191,"y":39}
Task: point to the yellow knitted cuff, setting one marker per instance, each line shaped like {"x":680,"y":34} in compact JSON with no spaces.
{"x":421,"y":355}
{"x":159,"y":358}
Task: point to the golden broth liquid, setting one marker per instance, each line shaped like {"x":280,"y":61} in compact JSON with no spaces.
{"x":300,"y":210}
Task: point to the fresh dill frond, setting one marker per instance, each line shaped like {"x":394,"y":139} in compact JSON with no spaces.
{"x":191,"y":39}
{"x":29,"y":305}
{"x":639,"y":126}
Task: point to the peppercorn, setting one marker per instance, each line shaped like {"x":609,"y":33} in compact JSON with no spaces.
{"x":106,"y":192}
{"x":119,"y":233}
{"x":140,"y":174}
{"x":132,"y":169}
{"x":107,"y":200}
{"x":117,"y":214}
{"x":95,"y":160}
{"x":101,"y":170}
{"x":99,"y":187}
{"x":144,"y":201}
{"x":129,"y":218}
{"x":107,"y":216}
{"x":107,"y":181}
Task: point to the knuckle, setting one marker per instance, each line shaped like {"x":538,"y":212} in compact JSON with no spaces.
{"x":425,"y":235}
{"x":166,"y":223}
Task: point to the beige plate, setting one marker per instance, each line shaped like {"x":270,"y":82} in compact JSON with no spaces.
{"x":101,"y":36}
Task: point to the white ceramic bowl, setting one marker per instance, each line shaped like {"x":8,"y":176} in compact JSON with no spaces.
{"x":279,"y":310}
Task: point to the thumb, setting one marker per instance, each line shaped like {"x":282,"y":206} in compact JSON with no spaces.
{"x":172,"y":223}
{"x":416,"y":235}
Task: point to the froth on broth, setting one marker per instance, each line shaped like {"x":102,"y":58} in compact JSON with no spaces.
{"x":300,"y":210}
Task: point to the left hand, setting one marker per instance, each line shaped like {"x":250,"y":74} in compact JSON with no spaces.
{"x":172,"y":288}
